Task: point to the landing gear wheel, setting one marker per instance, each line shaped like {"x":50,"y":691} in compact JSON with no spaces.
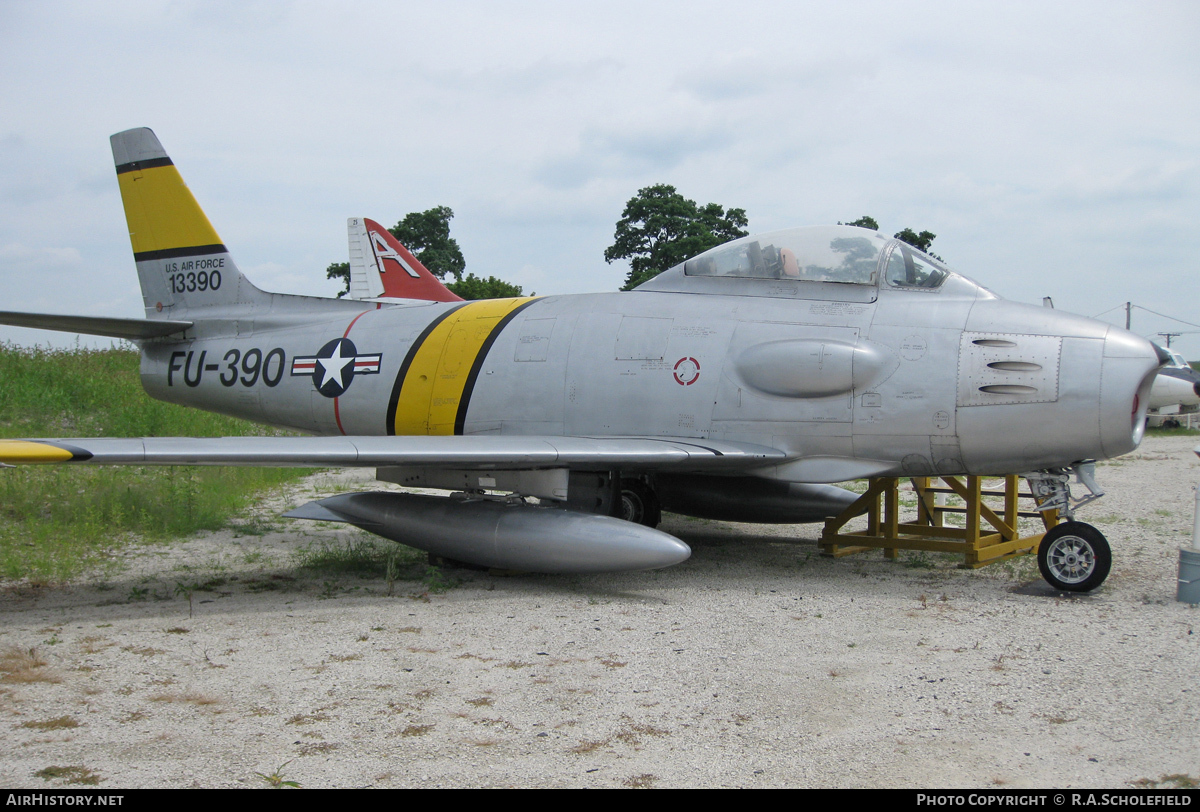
{"x":1074,"y":557}
{"x":639,"y":504}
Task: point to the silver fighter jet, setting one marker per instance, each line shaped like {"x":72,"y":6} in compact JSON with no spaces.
{"x":737,"y":385}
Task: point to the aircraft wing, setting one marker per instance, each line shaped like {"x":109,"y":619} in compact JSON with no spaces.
{"x":482,"y":452}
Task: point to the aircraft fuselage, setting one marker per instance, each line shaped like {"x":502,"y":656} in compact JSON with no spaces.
{"x":846,"y":389}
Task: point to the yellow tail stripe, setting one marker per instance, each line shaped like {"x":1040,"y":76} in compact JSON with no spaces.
{"x":441,"y":367}
{"x":161,"y":212}
{"x":23,"y":452}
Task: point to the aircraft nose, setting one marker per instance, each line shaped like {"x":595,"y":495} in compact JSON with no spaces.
{"x":1126,"y":376}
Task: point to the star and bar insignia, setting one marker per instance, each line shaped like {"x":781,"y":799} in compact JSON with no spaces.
{"x":334,"y":366}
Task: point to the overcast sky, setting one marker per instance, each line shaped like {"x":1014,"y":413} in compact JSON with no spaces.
{"x":1052,"y":147}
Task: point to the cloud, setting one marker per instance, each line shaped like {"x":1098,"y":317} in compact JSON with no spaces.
{"x":633,"y":151}
{"x":17,"y":258}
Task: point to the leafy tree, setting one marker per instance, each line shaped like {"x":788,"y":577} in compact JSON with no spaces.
{"x":339,"y":270}
{"x":866,"y":221}
{"x":474,"y":287}
{"x":921,"y":241}
{"x":661,"y":228}
{"x":427,"y":235}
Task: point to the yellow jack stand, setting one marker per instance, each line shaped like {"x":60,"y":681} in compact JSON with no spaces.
{"x":979,"y":544}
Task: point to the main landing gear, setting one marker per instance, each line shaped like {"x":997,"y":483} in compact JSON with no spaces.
{"x":639,"y":504}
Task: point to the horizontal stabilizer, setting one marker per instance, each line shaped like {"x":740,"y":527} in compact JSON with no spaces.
{"x":131,"y":329}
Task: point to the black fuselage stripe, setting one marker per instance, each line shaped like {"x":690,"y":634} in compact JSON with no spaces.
{"x":149,"y":163}
{"x":461,"y":417}
{"x":174,"y":253}
{"x":394,"y":401}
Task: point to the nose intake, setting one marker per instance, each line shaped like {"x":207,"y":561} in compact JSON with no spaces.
{"x":1126,"y":377}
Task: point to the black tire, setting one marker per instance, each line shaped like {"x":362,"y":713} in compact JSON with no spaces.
{"x":639,"y":503}
{"x":1074,"y":557}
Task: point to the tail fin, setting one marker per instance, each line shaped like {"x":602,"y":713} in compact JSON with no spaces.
{"x":381,"y":267}
{"x":181,"y":262}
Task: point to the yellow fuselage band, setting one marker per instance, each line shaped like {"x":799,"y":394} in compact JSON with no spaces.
{"x":433,"y":386}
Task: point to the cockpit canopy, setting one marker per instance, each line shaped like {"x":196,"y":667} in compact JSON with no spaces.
{"x":834,"y":255}
{"x":820,"y":254}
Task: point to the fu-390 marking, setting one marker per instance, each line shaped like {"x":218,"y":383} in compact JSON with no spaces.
{"x":254,"y":366}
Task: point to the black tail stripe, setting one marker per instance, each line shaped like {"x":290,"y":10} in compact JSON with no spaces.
{"x":173,"y":253}
{"x":149,"y":163}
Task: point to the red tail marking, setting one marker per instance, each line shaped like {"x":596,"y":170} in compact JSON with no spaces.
{"x":403,"y":275}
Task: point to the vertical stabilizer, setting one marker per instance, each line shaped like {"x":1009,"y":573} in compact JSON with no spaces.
{"x":380,"y":267}
{"x":182,"y":263}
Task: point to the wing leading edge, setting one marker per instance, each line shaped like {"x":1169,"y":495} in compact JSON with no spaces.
{"x":487,"y":452}
{"x":131,"y":329}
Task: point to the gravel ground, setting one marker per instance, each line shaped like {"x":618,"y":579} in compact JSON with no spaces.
{"x":756,"y":663}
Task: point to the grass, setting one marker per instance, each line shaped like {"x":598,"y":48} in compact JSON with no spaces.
{"x":76,"y":774}
{"x":364,"y":556}
{"x":19,"y":665}
{"x":1179,"y":432}
{"x":60,"y":520}
{"x":61,"y":723}
{"x":1173,"y":781}
{"x":360,"y":555}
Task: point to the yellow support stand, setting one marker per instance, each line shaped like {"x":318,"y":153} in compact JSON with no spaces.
{"x":991,"y":533}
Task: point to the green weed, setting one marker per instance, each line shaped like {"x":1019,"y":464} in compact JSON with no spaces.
{"x":276,"y":779}
{"x":919,"y":560}
{"x":438,"y":582}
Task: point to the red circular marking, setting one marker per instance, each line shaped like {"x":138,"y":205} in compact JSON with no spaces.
{"x":687,"y":371}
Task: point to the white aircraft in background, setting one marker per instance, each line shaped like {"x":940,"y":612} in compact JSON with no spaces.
{"x":1176,"y":391}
